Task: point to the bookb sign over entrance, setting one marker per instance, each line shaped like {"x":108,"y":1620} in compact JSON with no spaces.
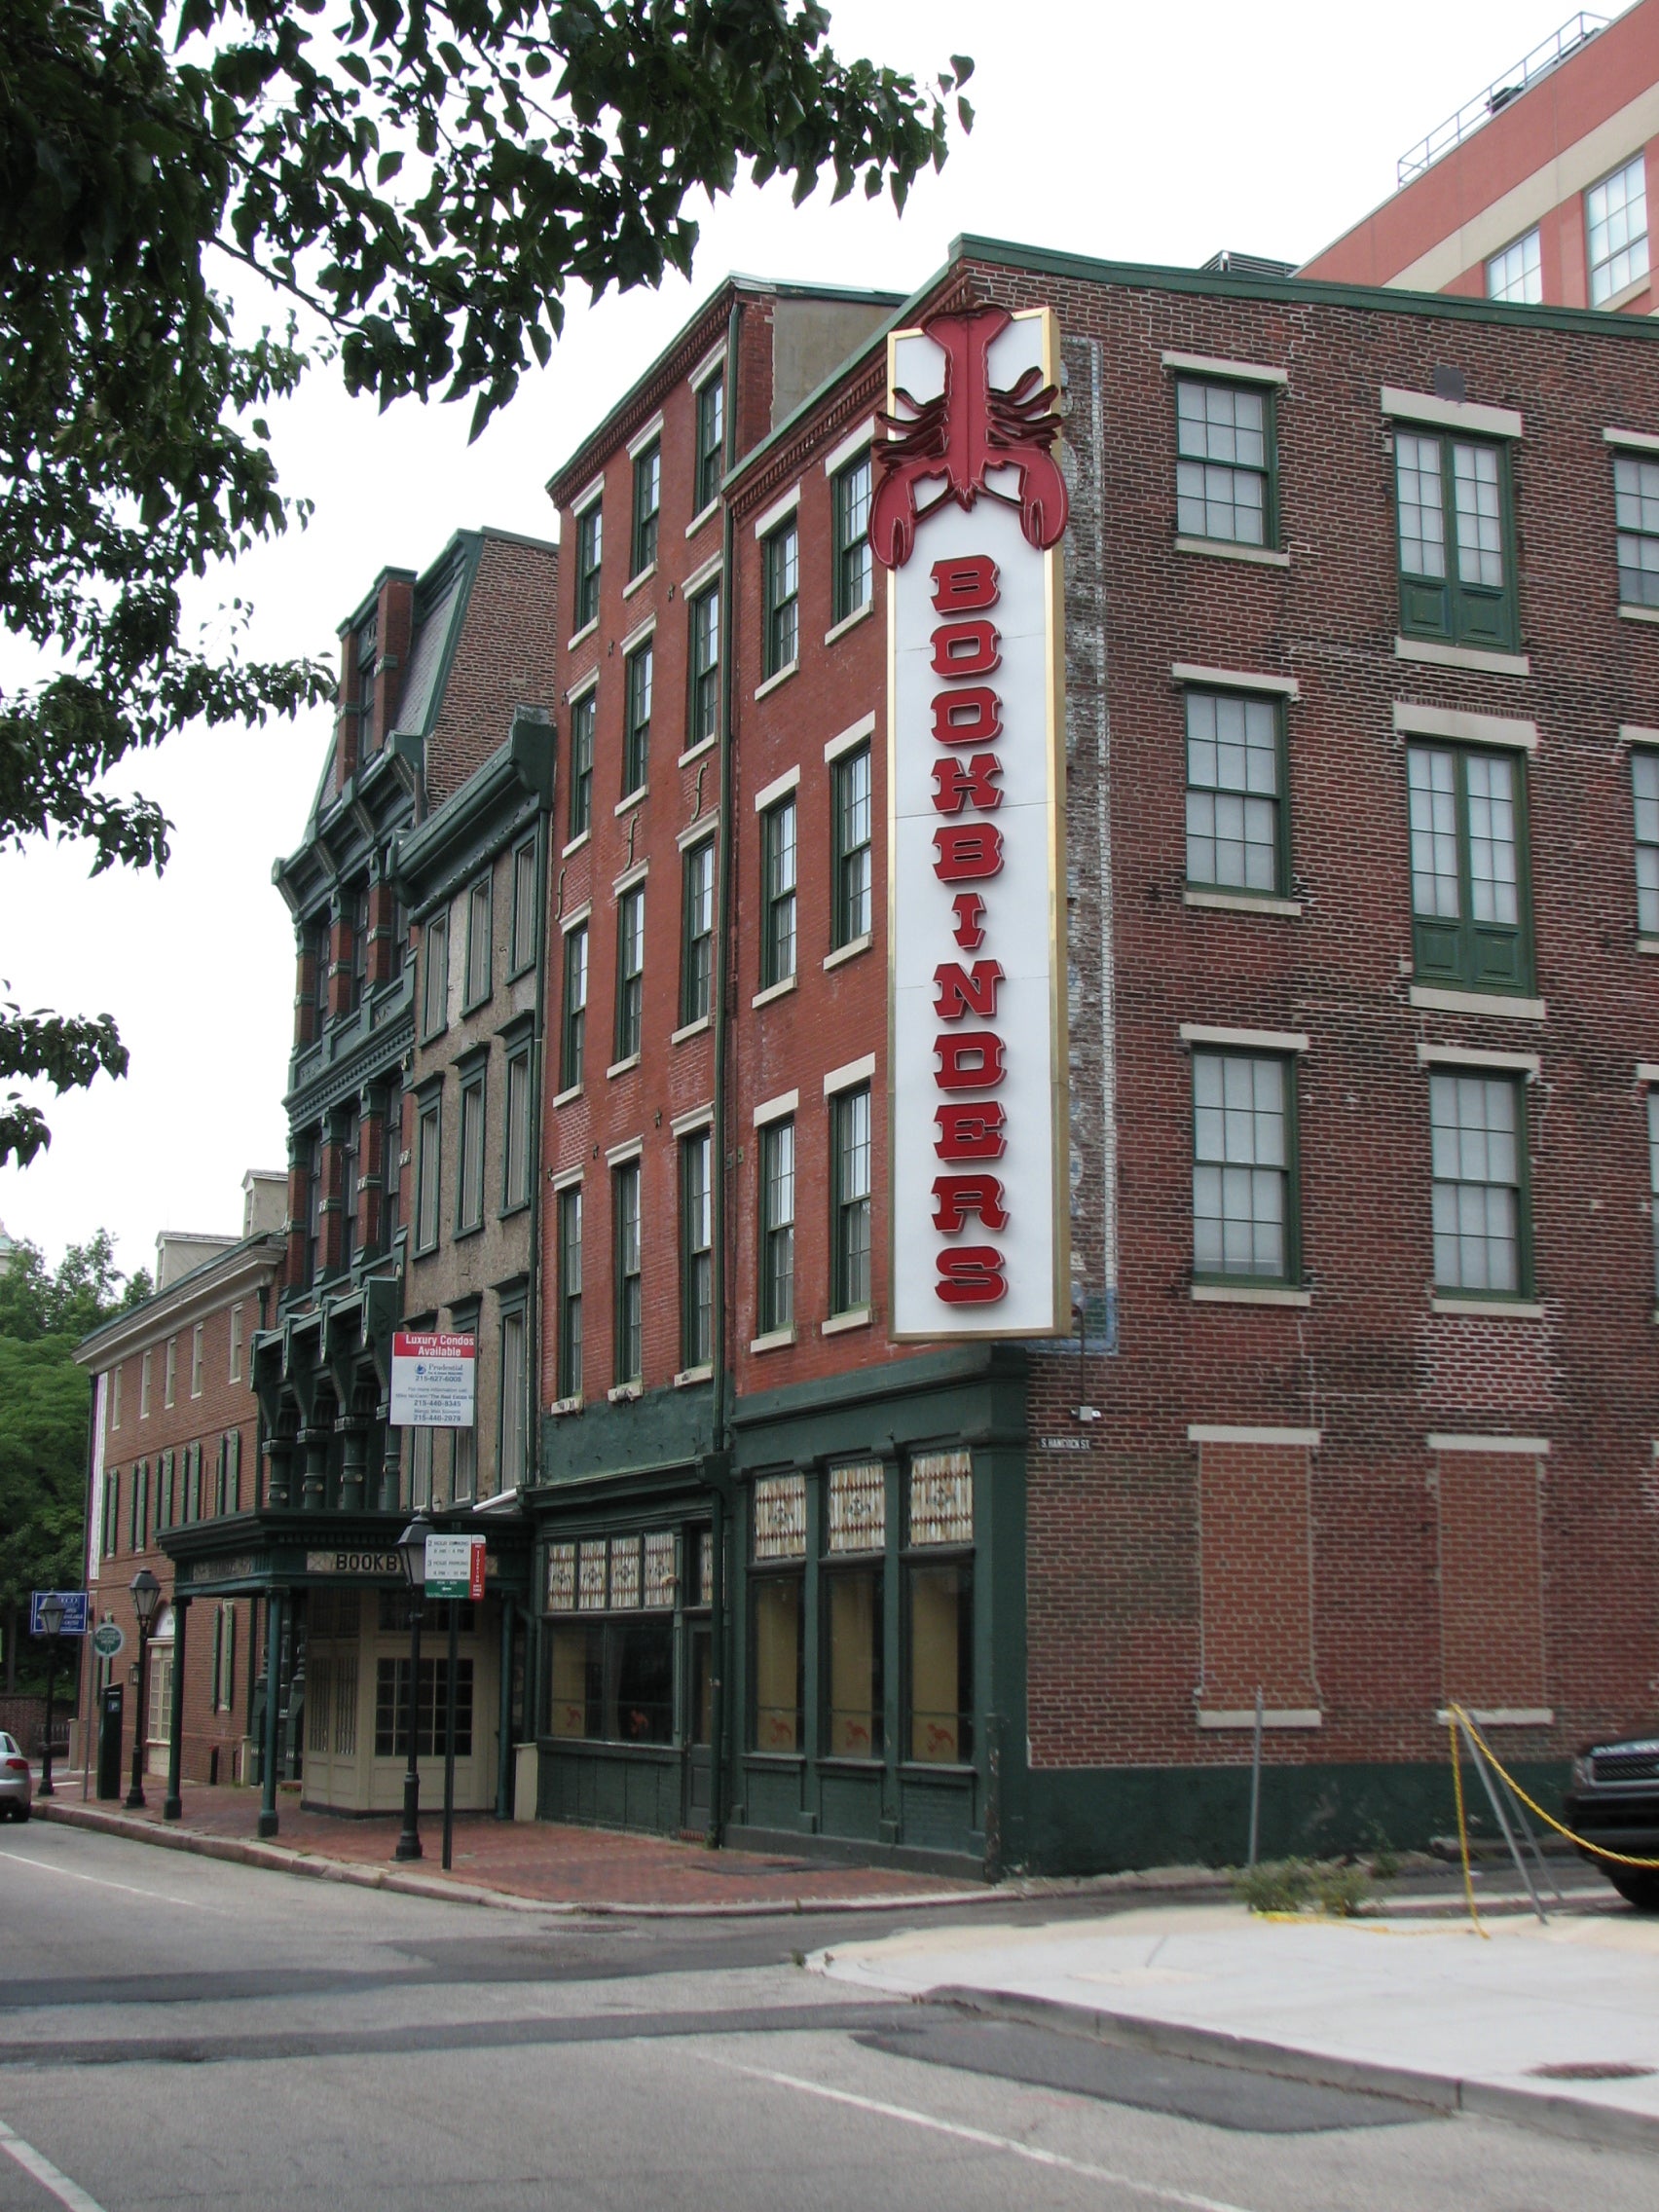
{"x":433,"y":1380}
{"x":968,"y":516}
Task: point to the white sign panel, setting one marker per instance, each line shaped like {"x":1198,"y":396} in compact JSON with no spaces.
{"x":968,"y":515}
{"x":433,"y":1380}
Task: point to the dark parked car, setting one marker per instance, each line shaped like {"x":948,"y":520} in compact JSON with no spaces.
{"x":1614,"y":1801}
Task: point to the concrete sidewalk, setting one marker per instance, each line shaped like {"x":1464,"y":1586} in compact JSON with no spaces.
{"x":1557,"y":2027}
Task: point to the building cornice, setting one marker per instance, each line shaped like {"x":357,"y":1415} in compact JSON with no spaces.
{"x":217,"y":1282}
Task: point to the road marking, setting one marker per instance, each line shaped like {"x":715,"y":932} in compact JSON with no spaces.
{"x":981,"y":2135}
{"x":159,"y":1897}
{"x":67,"y":2193}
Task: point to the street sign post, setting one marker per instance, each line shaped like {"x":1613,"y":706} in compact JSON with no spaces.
{"x":433,"y":1380}
{"x":455,"y":1567}
{"x":74,"y":1603}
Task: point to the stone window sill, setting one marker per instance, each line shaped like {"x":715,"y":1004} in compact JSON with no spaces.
{"x":621,"y":1067}
{"x":1434,"y":654}
{"x":773,"y":991}
{"x":625,"y":1394}
{"x":1242,"y":902}
{"x":703,"y":515}
{"x":782,"y":676}
{"x":1489,"y":1309}
{"x":697,"y":751}
{"x":643,"y":578}
{"x":1249,"y":1294}
{"x":691,"y":1029}
{"x":775,"y":1340}
{"x":575,"y":845}
{"x":1503,"y":1716}
{"x":1259,"y":556}
{"x":690,"y":1374}
{"x":562,"y":1406}
{"x":1433,"y":1000}
{"x":848,"y":951}
{"x":566,"y":1097}
{"x":577,"y":636}
{"x":633,"y":799}
{"x":1272,"y":1717}
{"x":1639,"y":613}
{"x":849,"y":621}
{"x":855,"y":1318}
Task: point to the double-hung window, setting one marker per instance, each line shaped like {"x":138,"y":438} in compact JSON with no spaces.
{"x":1653,"y":1175}
{"x":1616,"y":210}
{"x":470,"y":1183}
{"x":516,"y":1170}
{"x":1243,"y":1168}
{"x":574,"y":1021}
{"x":781,"y":576}
{"x":427,"y":1162}
{"x":582,"y":714}
{"x":1482,"y":1235}
{"x":478,"y":927}
{"x":850,"y":917}
{"x":359,"y":925}
{"x":1224,"y":466}
{"x":1234,"y":793}
{"x":1470,"y":918}
{"x":711,"y":440}
{"x":196,"y":1361}
{"x":350,"y":1142}
{"x":629,"y":1363}
{"x":777,"y":1226}
{"x":630,"y":971}
{"x":511,"y":1455}
{"x":778,"y":893}
{"x":647,"y":506}
{"x":590,"y":547}
{"x":697,"y":938}
{"x":392,"y":1172}
{"x":1644,"y":781}
{"x":854,"y":567}
{"x":525,"y":916}
{"x":1456,"y":573}
{"x":569,"y":1351}
{"x":849,"y":1200}
{"x":1517,"y":274}
{"x":1636,"y":511}
{"x":435,"y":978}
{"x":697,"y":1250}
{"x":704,"y":704}
{"x":636,"y":729}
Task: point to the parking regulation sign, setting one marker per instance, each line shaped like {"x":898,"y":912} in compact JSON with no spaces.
{"x":455,"y":1567}
{"x":433,"y":1380}
{"x":74,"y":1603}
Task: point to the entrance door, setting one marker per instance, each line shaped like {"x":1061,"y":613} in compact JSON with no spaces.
{"x":699,"y":1723}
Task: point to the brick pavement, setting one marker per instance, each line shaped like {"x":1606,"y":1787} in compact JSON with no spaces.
{"x":539,"y":1862}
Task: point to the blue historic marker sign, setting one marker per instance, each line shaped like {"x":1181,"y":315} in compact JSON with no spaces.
{"x":74,"y":1603}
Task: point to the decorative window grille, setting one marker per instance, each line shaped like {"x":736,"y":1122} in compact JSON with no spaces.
{"x":858,"y":1508}
{"x":779,"y":1517}
{"x":941,"y":1497}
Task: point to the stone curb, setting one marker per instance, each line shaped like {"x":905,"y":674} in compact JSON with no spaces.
{"x":276,"y":1857}
{"x":1553,"y":2113}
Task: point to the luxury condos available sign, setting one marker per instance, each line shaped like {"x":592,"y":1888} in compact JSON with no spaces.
{"x":433,"y":1380}
{"x":968,"y":516}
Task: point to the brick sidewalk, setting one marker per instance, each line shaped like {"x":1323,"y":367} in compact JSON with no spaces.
{"x":601,"y":1870}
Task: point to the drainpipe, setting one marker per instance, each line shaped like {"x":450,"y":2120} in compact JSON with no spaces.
{"x":717,"y":1623}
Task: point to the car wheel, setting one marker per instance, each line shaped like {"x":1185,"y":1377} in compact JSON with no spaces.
{"x":1636,"y":1885}
{"x":22,"y":1813}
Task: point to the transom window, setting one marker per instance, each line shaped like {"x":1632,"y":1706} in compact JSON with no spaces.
{"x":590,"y":545}
{"x":778,"y":893}
{"x":1235,"y":837}
{"x":629,"y":970}
{"x":850,"y":1164}
{"x":710,"y":439}
{"x":1479,"y":1191}
{"x":1635,"y":509}
{"x":1617,"y":211}
{"x":1224,"y":469}
{"x":854,"y":568}
{"x":647,"y":503}
{"x":704,"y":704}
{"x":777,"y":1226}
{"x":1517,"y":274}
{"x":1243,"y":1157}
{"x":582,"y":713}
{"x":1467,"y":821}
{"x":851,"y":918}
{"x":1645,"y":779}
{"x":637,"y":734}
{"x":1454,"y":520}
{"x":782,"y":626}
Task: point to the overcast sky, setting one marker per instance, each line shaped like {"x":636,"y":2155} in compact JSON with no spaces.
{"x":1155,"y":134}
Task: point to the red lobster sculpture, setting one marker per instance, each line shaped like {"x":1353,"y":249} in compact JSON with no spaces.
{"x":969,"y":429}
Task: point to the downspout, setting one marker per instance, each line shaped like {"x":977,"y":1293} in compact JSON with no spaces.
{"x":717,"y":1623}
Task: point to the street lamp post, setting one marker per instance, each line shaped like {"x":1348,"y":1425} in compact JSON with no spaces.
{"x":146,"y":1596}
{"x":412,"y":1550}
{"x":52,"y":1625}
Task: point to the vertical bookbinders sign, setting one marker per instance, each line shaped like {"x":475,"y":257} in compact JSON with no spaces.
{"x":968,"y":516}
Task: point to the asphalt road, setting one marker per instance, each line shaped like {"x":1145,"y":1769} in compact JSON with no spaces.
{"x":176,"y":2031}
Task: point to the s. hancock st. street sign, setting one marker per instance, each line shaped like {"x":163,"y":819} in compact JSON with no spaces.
{"x":433,"y":1380}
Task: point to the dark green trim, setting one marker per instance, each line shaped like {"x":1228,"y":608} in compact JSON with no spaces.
{"x":1482,"y":616}
{"x":1293,"y":1277}
{"x":1266,"y":394}
{"x":1526,"y":1289}
{"x":1465,"y":954}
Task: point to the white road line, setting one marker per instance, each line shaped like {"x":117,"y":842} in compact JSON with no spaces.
{"x":1038,"y":2157}
{"x":72,"y":2198}
{"x":158,"y":1897}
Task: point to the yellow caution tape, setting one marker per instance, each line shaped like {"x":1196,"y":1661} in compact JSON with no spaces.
{"x":1462,"y":1826}
{"x":1600,"y":1850}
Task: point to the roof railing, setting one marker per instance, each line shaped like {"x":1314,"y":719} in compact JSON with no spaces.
{"x":1548,"y":54}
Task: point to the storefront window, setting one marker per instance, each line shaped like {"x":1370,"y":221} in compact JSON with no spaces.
{"x":777,"y":1647}
{"x":854,"y":1614}
{"x":941,"y":1639}
{"x":612,"y":1682}
{"x":431,"y":1728}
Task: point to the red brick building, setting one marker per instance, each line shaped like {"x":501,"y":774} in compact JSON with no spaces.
{"x":1361,"y":880}
{"x":1536,"y":191}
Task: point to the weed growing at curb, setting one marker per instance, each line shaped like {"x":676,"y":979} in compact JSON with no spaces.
{"x":1329,"y":1886}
